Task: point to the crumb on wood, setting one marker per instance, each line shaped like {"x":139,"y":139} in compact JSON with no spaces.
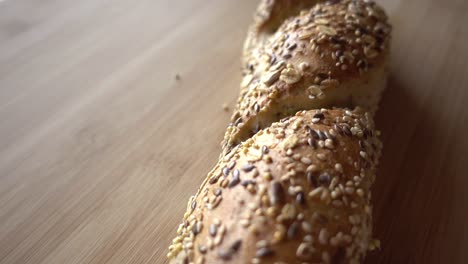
{"x":225,"y":107}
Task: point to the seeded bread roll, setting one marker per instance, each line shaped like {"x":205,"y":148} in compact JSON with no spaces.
{"x":298,"y":58}
{"x":296,"y":192}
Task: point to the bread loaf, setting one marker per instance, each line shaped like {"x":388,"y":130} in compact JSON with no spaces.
{"x":292,"y":184}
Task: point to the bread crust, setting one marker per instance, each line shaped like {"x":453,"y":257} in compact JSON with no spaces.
{"x":292,"y":184}
{"x":330,"y":55}
{"x":296,"y":192}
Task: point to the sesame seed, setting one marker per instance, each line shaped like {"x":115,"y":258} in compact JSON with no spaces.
{"x":248,"y":167}
{"x":375,"y":243}
{"x":312,"y":132}
{"x":315,"y":192}
{"x":226,"y":171}
{"x":255,"y":173}
{"x":210,"y":243}
{"x":293,"y":230}
{"x":357,"y":131}
{"x":271,"y":211}
{"x":292,"y":46}
{"x":232,"y":164}
{"x":297,"y":156}
{"x":278,"y":235}
{"x":214,"y":178}
{"x":303,"y":66}
{"x":349,"y":190}
{"x":256,"y":108}
{"x":202,"y":249}
{"x":244,"y":222}
{"x":215,"y":203}
{"x":224,"y":183}
{"x":188,"y":245}
{"x":360,"y":192}
{"x":306,"y":160}
{"x":213,"y":229}
{"x":321,"y":135}
{"x":370,"y":53}
{"x":246,"y":80}
{"x":321,"y":143}
{"x":306,"y":226}
{"x":277,"y":195}
{"x":324,"y":179}
{"x":311,"y":179}
{"x":337,"y":128}
{"x":197,"y":227}
{"x":321,"y":156}
{"x":267,"y":176}
{"x":248,"y":182}
{"x":305,"y":35}
{"x":264,"y":252}
{"x":363,"y":154}
{"x":305,"y":251}
{"x":325,"y":197}
{"x":323,"y":236}
{"x":339,"y":167}
{"x":329,"y":143}
{"x":335,"y":194}
{"x":300,"y":199}
{"x":217,"y":192}
{"x":226,"y":254}
{"x":312,"y":168}
{"x":235,"y":180}
{"x":308,"y":238}
{"x":222,"y":231}
{"x":261,"y":243}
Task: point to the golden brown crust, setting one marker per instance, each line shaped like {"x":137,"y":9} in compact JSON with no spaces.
{"x":292,"y":184}
{"x":331,"y":55}
{"x":296,"y":192}
{"x":270,"y":15}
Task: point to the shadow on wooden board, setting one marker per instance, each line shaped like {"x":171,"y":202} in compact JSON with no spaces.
{"x":412,"y":193}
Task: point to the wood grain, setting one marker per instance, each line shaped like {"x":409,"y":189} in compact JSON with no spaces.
{"x":100,"y":145}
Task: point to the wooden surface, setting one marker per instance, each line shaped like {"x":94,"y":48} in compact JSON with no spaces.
{"x":100,"y":145}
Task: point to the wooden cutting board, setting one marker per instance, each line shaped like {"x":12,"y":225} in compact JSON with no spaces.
{"x":101,"y":145}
